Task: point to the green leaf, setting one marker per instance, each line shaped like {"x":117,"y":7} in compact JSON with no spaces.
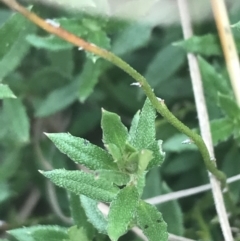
{"x":171,"y":210}
{"x":83,"y":227}
{"x":151,"y":222}
{"x":162,"y":66}
{"x":123,"y":43}
{"x":80,"y":182}
{"x":172,"y":213}
{"x":145,"y":128}
{"x":50,"y":42}
{"x":16,"y":121}
{"x":95,"y":217}
{"x":133,"y":127}
{"x":5,"y":92}
{"x":83,"y":152}
{"x":158,"y":154}
{"x":9,"y":164}
{"x":46,"y":232}
{"x":229,"y":106}
{"x":145,"y":156}
{"x":54,"y":43}
{"x":64,"y":65}
{"x":114,"y":132}
{"x":236,"y":25}
{"x":77,"y":212}
{"x":116,"y":177}
{"x":13,"y":45}
{"x":221,"y":130}
{"x":122,"y":210}
{"x":207,"y":45}
{"x":181,"y":164}
{"x":83,"y":27}
{"x":50,"y":234}
{"x":212,"y":80}
{"x":142,"y":134}
{"x":231,"y":167}
{"x":5,"y":192}
{"x":77,"y":234}
{"x":115,"y":152}
{"x":58,"y":100}
{"x":89,"y":78}
{"x":176,"y":144}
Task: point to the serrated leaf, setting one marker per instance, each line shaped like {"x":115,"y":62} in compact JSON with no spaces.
{"x":122,"y":43}
{"x":114,"y":132}
{"x":157,"y":71}
{"x":82,"y":151}
{"x":133,"y":127}
{"x":5,"y":92}
{"x":122,"y":210}
{"x":16,"y":121}
{"x":58,"y":100}
{"x":158,"y":154}
{"x":145,"y":130}
{"x":212,"y":80}
{"x":229,"y":106}
{"x":27,"y":234}
{"x":83,"y":183}
{"x":116,"y":177}
{"x":206,"y":45}
{"x":95,"y":217}
{"x":151,"y":222}
{"x":50,"y":234}
{"x":221,"y":130}
{"x":13,"y":45}
{"x":99,"y":38}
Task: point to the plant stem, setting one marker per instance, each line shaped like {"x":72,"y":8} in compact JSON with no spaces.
{"x":228,"y":45}
{"x":204,"y":119}
{"x":158,"y":104}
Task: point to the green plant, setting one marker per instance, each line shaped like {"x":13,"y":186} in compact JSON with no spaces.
{"x":117,"y":173}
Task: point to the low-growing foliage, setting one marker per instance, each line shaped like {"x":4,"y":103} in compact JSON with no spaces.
{"x":76,"y":137}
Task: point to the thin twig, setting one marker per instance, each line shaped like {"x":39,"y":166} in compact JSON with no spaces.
{"x":157,"y":103}
{"x":185,"y":193}
{"x":228,"y":45}
{"x":204,"y":119}
{"x":29,"y":205}
{"x":49,"y":185}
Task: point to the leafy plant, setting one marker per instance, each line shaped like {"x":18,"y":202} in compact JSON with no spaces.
{"x":57,"y":86}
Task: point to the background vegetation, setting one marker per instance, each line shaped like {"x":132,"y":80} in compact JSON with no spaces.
{"x":60,"y":88}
